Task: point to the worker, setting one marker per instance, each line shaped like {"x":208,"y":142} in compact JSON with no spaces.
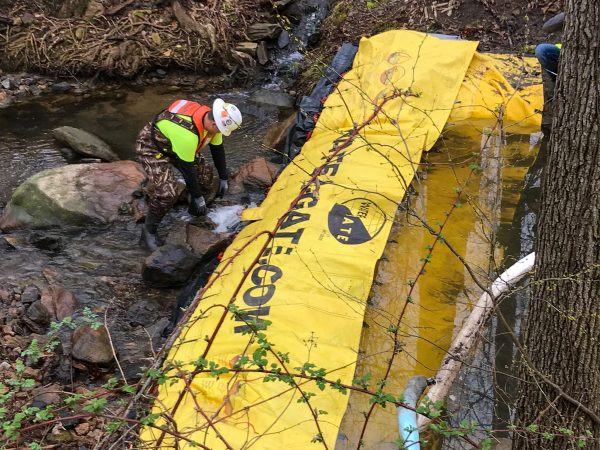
{"x":548,"y":54}
{"x":175,"y":138}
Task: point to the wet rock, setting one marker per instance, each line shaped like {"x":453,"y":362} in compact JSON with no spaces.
{"x":256,"y":174}
{"x":46,"y":241}
{"x":170,"y":265}
{"x":276,"y":135}
{"x":273,"y":98}
{"x":61,"y":87}
{"x":69,"y":154}
{"x":79,"y":195}
{"x":14,"y":242}
{"x":259,"y":31}
{"x":283,"y":40}
{"x":206,"y":244}
{"x":91,"y":345}
{"x":84,"y":143}
{"x":202,"y":241}
{"x":30,"y":295}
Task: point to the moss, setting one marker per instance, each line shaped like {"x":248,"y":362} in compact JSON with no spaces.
{"x":338,"y":14}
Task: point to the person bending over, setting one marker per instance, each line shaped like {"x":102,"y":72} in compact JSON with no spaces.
{"x":175,"y":138}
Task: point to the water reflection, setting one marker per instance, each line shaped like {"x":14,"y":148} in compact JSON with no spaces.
{"x":442,"y":297}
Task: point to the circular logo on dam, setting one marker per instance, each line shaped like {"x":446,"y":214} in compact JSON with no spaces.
{"x":355,"y":221}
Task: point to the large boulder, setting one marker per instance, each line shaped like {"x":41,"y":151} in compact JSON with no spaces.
{"x":85,"y":143}
{"x":73,"y":195}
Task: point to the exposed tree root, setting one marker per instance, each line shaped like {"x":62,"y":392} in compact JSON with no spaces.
{"x":198,"y":38}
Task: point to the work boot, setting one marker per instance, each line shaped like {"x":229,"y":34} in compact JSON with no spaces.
{"x":149,"y":238}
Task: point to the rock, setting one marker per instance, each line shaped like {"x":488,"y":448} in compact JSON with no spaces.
{"x":258,"y":174}
{"x":69,"y":154}
{"x":259,"y":31}
{"x":15,"y":242}
{"x":27,"y":18}
{"x":39,"y":314}
{"x":8,"y":84}
{"x":94,"y":8}
{"x":5,"y":99}
{"x":204,"y":243}
{"x":273,"y":98}
{"x":59,"y":302}
{"x":61,"y":87}
{"x":84,"y":143}
{"x":262,"y":54}
{"x":46,"y":241}
{"x":247,"y":47}
{"x":4,"y":366}
{"x":79,"y":195}
{"x":83,"y":428}
{"x":170,"y":265}
{"x":142,"y":313}
{"x":59,"y":437}
{"x":30,"y":294}
{"x":48,"y":395}
{"x":283,"y":40}
{"x":92,"y":346}
{"x":4,"y":295}
{"x":276,"y":135}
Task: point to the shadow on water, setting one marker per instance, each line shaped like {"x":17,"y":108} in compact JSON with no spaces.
{"x":519,"y":238}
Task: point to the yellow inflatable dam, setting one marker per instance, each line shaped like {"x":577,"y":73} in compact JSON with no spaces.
{"x":265,"y":360}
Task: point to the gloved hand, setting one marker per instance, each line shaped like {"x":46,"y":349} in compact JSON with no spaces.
{"x":197,"y":206}
{"x":223,"y":186}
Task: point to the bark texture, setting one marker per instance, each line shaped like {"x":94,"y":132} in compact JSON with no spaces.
{"x":560,"y":377}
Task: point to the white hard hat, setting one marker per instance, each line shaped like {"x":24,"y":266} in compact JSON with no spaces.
{"x":227,"y":116}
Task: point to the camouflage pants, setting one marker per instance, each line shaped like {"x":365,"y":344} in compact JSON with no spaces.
{"x":162,"y":188}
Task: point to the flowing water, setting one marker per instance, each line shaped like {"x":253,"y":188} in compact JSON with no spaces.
{"x":102,"y":266}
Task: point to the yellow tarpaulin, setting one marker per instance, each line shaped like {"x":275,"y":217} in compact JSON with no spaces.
{"x":284,"y":310}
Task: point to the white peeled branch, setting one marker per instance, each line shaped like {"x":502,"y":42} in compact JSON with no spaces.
{"x":466,"y":339}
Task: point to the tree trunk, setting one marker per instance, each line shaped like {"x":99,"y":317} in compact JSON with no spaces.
{"x":559,"y":382}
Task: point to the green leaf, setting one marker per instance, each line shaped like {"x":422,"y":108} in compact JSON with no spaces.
{"x":95,"y":406}
{"x":128,"y":389}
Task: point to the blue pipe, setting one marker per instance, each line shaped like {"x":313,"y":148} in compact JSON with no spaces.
{"x":407,"y":418}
